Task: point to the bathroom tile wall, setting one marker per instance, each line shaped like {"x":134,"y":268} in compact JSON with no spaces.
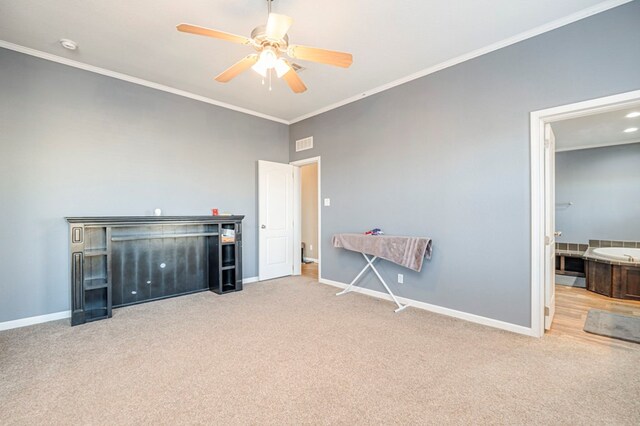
{"x":605,"y":243}
{"x":571,"y":247}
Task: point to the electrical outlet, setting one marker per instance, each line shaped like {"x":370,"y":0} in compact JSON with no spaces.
{"x":327,"y":202}
{"x":310,"y":247}
{"x":400,"y":279}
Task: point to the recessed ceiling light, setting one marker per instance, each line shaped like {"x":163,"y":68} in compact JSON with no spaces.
{"x":631,"y":130}
{"x":633,"y":114}
{"x":68,"y":44}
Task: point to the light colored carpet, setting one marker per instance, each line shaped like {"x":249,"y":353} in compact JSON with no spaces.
{"x":289,"y":352}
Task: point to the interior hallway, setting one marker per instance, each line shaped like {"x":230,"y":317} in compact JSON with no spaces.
{"x":310,"y":270}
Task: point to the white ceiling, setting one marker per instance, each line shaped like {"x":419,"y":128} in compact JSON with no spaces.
{"x":597,"y":130}
{"x":389,"y":40}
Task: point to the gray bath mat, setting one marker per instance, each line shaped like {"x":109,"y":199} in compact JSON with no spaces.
{"x":623,"y":327}
{"x":570,"y":281}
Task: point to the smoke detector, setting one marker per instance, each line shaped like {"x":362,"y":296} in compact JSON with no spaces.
{"x":68,"y":44}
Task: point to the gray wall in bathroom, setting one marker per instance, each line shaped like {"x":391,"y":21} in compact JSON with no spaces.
{"x":447,"y":156}
{"x":604,"y":186}
{"x":76,"y":143}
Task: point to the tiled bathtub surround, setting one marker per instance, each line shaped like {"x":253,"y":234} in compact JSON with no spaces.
{"x":607,"y":243}
{"x":572,"y":247}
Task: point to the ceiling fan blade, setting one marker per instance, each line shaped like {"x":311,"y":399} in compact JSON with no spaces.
{"x":194,"y":29}
{"x":277,"y":26}
{"x":235,"y":69}
{"x":313,"y":54}
{"x":294,"y":81}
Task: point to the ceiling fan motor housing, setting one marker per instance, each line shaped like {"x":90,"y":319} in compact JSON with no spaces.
{"x":259,"y":36}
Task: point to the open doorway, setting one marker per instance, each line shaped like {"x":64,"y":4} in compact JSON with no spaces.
{"x":585,"y":187}
{"x":309,"y":214}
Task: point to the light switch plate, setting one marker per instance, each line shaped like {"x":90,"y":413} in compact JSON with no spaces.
{"x":327,"y":202}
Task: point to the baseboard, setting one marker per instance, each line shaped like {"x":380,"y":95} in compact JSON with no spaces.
{"x":23,"y":322}
{"x":437,"y":309}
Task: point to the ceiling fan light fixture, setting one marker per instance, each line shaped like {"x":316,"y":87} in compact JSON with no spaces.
{"x":268,"y":57}
{"x":269,"y":60}
{"x":281,"y":67}
{"x":260,"y":68}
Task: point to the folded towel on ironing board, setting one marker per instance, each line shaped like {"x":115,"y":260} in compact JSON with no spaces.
{"x":404,"y":251}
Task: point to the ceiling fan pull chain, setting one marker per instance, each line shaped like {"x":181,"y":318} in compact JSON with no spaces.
{"x":270,"y":79}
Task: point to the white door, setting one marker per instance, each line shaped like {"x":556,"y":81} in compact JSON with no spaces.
{"x":550,"y":225}
{"x":275,"y":219}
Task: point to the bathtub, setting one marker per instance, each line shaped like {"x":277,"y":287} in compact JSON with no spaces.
{"x":619,"y":254}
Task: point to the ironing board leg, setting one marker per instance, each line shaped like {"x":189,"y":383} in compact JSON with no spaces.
{"x":370,"y":264}
{"x":348,"y":289}
{"x":400,"y":307}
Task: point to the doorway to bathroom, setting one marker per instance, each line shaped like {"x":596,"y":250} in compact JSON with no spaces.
{"x":585,"y":183}
{"x":309,"y":213}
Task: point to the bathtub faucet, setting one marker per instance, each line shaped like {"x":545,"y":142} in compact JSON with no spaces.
{"x":631,"y":258}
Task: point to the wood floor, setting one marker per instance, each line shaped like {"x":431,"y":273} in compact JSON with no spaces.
{"x":310,"y":270}
{"x":572,"y":305}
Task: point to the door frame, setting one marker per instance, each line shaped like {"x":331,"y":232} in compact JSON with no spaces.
{"x":297,"y":214}
{"x":538,"y":218}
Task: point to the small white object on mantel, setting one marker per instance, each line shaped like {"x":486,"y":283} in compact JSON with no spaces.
{"x":157,"y":212}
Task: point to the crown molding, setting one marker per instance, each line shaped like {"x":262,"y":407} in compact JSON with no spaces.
{"x":585,"y":13}
{"x":601,"y":7}
{"x":135,"y":80}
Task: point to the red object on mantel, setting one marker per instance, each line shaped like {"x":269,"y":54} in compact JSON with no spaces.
{"x":214,"y":212}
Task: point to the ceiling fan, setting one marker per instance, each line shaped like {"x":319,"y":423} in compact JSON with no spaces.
{"x":271,"y":43}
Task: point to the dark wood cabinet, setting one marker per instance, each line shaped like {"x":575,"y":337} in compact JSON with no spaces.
{"x":629,"y":279}
{"x":599,"y":278}
{"x":619,"y":281}
{"x":120,"y":261}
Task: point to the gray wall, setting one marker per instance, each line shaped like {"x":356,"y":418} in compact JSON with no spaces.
{"x":604,"y":186}
{"x":447,"y":156}
{"x":76,"y":143}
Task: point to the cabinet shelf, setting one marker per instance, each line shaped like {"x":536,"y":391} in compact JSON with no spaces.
{"x":162,"y":236}
{"x":95,"y":283}
{"x":95,"y":252}
{"x":96,"y":314}
{"x":228,"y":288}
{"x":224,"y":268}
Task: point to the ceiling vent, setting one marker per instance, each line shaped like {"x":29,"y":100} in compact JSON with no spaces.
{"x":304,"y":144}
{"x":297,"y":68}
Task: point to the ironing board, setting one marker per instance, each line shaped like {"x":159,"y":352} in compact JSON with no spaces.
{"x":408,"y":252}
